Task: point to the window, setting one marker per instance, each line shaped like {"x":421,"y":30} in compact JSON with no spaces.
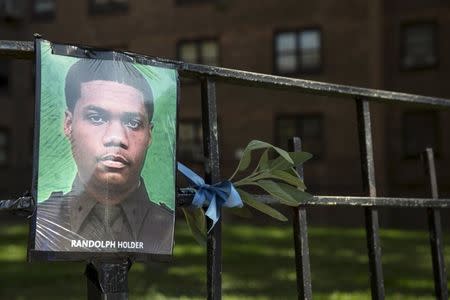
{"x":44,"y":9}
{"x":420,"y":130}
{"x":190,"y":141}
{"x":108,"y":6}
{"x":419,"y":49}
{"x":199,"y":52}
{"x":4,"y":146}
{"x":308,"y":127}
{"x":298,"y":51}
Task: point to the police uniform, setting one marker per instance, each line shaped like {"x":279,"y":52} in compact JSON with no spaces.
{"x":77,"y":222}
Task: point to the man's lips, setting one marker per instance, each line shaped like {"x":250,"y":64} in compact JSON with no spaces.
{"x":114,"y":161}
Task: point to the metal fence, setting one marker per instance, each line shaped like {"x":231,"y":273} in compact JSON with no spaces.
{"x":208,"y":76}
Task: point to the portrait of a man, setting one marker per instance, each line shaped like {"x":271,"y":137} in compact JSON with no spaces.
{"x":108,"y":122}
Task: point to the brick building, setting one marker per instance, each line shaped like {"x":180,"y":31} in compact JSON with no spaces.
{"x":394,"y":45}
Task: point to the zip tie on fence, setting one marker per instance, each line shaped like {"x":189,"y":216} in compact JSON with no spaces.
{"x":215,"y":195}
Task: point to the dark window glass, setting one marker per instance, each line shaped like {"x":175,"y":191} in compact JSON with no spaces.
{"x":420,"y":130}
{"x":308,"y":127}
{"x":108,"y":6}
{"x":298,"y":51}
{"x":419,"y":46}
{"x":44,"y":8}
{"x":199,"y":52}
{"x":4,"y":75}
{"x":4,"y":146}
{"x":190,"y":142}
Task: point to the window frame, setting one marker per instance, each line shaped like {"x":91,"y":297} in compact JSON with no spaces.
{"x":299,"y":116}
{"x":298,"y":70}
{"x":435,"y":44}
{"x":199,"y":124}
{"x":198,"y":42}
{"x":110,"y":8}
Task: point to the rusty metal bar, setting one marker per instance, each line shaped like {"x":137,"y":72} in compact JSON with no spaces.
{"x":370,"y":201}
{"x":17,"y":49}
{"x":301,"y":247}
{"x":21,"y":206}
{"x":107,"y":280}
{"x":212,"y":175}
{"x":371,"y":214}
{"x":435,"y":229}
{"x":184,"y":197}
{"x":25,"y":50}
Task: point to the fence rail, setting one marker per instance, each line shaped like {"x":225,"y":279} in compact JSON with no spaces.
{"x":208,"y":77}
{"x":25,"y":50}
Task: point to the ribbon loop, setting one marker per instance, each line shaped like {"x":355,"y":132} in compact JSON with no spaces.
{"x":215,"y":196}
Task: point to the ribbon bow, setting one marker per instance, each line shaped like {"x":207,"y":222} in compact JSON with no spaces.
{"x":216,"y":195}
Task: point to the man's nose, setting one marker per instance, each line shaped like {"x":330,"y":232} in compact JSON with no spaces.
{"x":115,"y":135}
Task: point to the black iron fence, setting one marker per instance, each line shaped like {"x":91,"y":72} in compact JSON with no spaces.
{"x":208,"y":76}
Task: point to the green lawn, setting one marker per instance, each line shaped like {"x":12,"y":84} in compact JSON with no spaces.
{"x":258,"y":263}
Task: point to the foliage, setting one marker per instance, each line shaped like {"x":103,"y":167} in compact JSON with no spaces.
{"x":275,"y":174}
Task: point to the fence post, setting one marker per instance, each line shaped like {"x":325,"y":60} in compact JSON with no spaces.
{"x":303,"y":269}
{"x":212,"y":175}
{"x":371,"y":214}
{"x":435,"y":230}
{"x":107,"y":280}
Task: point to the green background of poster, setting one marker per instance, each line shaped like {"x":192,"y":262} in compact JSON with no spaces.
{"x":57,"y":168}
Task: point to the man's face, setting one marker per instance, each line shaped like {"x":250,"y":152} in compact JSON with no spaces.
{"x":110,"y":132}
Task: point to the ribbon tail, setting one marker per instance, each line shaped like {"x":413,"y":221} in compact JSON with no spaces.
{"x":190,"y":175}
{"x":213,"y":212}
{"x":234,"y":199}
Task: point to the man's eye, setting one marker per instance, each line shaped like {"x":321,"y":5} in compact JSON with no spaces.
{"x":133,"y":124}
{"x":96,"y":119}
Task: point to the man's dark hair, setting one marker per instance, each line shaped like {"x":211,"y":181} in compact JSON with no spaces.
{"x":86,"y":70}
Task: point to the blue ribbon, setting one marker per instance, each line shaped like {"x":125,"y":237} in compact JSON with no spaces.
{"x":216,"y":195}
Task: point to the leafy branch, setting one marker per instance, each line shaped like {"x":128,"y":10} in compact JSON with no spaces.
{"x":275,"y":176}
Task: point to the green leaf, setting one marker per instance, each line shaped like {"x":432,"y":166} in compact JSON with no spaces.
{"x":262,"y":164}
{"x":288,"y":178}
{"x":293,"y":172}
{"x":297,"y":158}
{"x":300,"y":157}
{"x":295,"y":193}
{"x":262,"y":207}
{"x":245,"y":160}
{"x":274,"y":189}
{"x":255,"y":145}
{"x":196,"y":220}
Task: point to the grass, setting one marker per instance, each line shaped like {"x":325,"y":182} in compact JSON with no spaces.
{"x":258,"y":263}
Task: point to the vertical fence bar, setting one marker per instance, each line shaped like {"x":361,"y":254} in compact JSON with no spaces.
{"x":435,"y":229}
{"x":108,"y":280}
{"x":303,"y":269}
{"x":371,"y":214}
{"x":212,"y":175}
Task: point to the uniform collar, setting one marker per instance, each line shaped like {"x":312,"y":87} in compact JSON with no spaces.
{"x":81,"y":205}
